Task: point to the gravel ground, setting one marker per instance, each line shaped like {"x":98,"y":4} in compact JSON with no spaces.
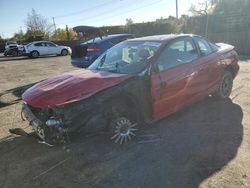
{"x":204,"y":145}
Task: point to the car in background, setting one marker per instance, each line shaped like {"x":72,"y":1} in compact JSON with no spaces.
{"x":41,"y":48}
{"x":87,"y":52}
{"x":136,"y":82}
{"x":13,"y":49}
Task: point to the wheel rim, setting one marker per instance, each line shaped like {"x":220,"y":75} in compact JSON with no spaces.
{"x":34,"y":54}
{"x":226,"y":86}
{"x":123,"y":130}
{"x":64,"y":52}
{"x":14,"y":53}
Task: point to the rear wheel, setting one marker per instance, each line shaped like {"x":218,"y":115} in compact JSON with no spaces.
{"x":14,"y":53}
{"x":20,"y":53}
{"x":64,"y":52}
{"x":226,"y":85}
{"x":123,"y":122}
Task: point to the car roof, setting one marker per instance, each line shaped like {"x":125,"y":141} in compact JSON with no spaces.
{"x":162,"y":38}
{"x":39,"y":41}
{"x":35,"y":42}
{"x":107,"y":37}
{"x":116,"y":35}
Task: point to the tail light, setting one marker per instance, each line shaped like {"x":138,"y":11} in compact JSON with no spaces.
{"x":93,"y":49}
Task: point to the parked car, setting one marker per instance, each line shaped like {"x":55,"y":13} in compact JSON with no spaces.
{"x":137,"y":81}
{"x":13,"y":49}
{"x":85,"y":54}
{"x":40,"y":48}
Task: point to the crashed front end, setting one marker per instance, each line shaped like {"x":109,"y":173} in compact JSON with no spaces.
{"x":47,"y":123}
{"x":64,"y":103}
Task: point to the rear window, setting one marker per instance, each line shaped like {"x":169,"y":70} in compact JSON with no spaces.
{"x":204,"y":46}
{"x":120,"y":39}
{"x":96,"y":40}
{"x":13,"y":46}
{"x":114,"y":40}
{"x":214,"y":47}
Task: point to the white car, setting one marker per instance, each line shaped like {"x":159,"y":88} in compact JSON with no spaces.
{"x":40,"y":48}
{"x":13,"y":49}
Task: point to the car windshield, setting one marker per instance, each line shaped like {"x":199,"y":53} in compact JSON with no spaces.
{"x":127,"y":57}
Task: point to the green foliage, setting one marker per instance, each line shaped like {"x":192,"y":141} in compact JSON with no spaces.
{"x":160,"y":26}
{"x":1,"y":40}
{"x":231,"y":15}
{"x":227,"y":16}
{"x":19,"y":36}
{"x":61,"y":35}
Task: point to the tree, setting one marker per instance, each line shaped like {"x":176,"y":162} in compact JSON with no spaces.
{"x":61,"y":34}
{"x":203,"y":7}
{"x":129,"y":21}
{"x":232,"y":15}
{"x":19,"y":36}
{"x":37,"y":24}
{"x":1,"y":39}
{"x":160,"y":20}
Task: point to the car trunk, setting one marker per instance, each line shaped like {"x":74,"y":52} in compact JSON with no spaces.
{"x":224,"y":47}
{"x":79,"y":51}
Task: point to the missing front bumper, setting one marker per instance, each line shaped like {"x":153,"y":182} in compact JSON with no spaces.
{"x":33,"y":121}
{"x":50,"y":134}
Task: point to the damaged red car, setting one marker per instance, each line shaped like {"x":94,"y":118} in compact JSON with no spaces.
{"x":135,"y":82}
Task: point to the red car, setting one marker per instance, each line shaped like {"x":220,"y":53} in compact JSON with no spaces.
{"x":135,"y":82}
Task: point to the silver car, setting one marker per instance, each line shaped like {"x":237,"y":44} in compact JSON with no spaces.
{"x":40,"y":48}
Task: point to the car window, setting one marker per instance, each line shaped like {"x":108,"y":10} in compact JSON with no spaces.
{"x":214,"y":47}
{"x":50,"y":44}
{"x":177,"y":53}
{"x":96,"y":40}
{"x":38,"y":44}
{"x":204,"y":46}
{"x":13,"y":46}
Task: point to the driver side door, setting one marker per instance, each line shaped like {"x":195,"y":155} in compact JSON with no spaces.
{"x":171,"y":83}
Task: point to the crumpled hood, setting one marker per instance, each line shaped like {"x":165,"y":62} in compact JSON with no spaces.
{"x":70,"y":87}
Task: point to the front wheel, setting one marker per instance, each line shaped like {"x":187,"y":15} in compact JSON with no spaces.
{"x":34,"y":54}
{"x":122,"y":123}
{"x":225,"y":86}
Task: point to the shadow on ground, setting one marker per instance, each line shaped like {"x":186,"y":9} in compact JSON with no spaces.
{"x":180,"y":151}
{"x":18,"y":58}
{"x":11,"y":58}
{"x":13,"y":96}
